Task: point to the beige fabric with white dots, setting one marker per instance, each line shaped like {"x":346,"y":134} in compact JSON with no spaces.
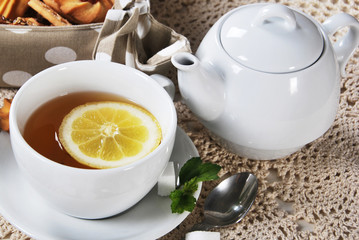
{"x":25,"y":50}
{"x":125,"y":37}
{"x":312,"y":194}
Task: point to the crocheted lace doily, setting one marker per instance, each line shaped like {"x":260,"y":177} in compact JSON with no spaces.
{"x":312,"y":194}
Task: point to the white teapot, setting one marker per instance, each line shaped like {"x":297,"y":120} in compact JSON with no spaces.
{"x":265,"y":79}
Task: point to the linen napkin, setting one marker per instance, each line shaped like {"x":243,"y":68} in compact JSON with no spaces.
{"x":132,"y":36}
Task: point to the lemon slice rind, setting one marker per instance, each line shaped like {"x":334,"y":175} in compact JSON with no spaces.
{"x":92,"y":131}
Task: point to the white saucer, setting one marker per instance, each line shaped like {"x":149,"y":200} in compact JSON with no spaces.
{"x":151,"y":218}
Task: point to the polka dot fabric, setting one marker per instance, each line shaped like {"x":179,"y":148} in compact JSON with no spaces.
{"x":27,"y":50}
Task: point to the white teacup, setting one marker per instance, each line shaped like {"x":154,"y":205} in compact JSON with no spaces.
{"x":89,"y":193}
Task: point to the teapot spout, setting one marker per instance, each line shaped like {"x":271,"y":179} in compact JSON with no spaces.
{"x":201,"y":87}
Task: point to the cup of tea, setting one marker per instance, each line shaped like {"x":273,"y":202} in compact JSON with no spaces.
{"x":80,"y":188}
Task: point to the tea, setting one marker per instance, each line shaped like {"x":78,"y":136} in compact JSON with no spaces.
{"x":41,"y":129}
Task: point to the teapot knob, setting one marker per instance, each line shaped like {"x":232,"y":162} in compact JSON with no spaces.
{"x":276,"y":11}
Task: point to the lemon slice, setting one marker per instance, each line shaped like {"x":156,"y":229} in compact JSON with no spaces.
{"x":109,"y":134}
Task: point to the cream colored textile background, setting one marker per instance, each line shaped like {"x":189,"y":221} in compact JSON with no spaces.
{"x":312,"y":194}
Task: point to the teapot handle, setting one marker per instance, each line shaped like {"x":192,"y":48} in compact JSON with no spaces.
{"x":346,"y":45}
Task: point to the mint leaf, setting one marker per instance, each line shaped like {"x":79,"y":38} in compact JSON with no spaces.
{"x":192,"y":172}
{"x":190,"y":169}
{"x":191,"y":186}
{"x":182,"y":201}
{"x":208,"y":172}
{"x":195,"y":168}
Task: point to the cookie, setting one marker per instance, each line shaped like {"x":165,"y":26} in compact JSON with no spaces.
{"x":48,"y":13}
{"x":13,"y":8}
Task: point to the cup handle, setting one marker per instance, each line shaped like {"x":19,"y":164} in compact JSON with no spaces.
{"x":346,"y":45}
{"x":166,"y":83}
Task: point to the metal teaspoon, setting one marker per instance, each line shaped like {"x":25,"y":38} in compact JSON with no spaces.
{"x":229,"y":201}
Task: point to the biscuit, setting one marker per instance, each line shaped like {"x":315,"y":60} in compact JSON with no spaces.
{"x":13,"y":8}
{"x":19,"y":8}
{"x":4,"y":115}
{"x":48,"y":13}
{"x":26,"y":21}
{"x":3,"y":6}
{"x":53,"y":4}
{"x":6,"y":7}
{"x":83,"y":12}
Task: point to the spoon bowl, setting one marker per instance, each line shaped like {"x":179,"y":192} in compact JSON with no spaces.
{"x":229,"y":201}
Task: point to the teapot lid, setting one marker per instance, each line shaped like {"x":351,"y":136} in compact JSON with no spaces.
{"x":271,"y":38}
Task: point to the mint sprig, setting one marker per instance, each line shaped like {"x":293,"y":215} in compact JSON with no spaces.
{"x":192,"y":172}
